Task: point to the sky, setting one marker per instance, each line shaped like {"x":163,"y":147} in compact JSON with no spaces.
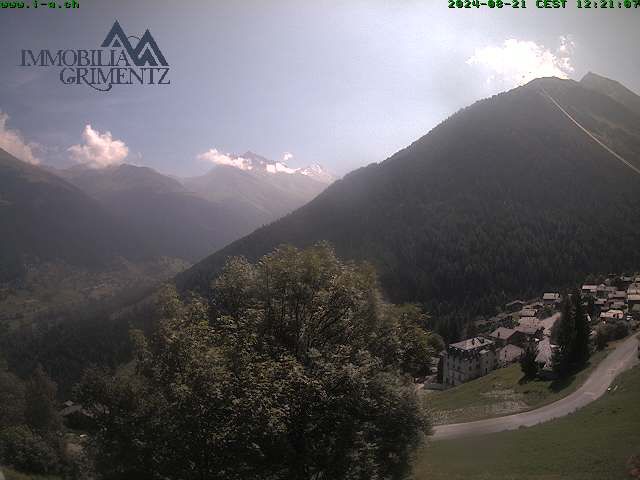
{"x":337,"y":83}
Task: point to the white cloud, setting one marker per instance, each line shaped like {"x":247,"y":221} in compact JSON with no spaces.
{"x":286,"y":157}
{"x":214,"y":156}
{"x":13,"y":142}
{"x":99,"y":150}
{"x":517,"y":62}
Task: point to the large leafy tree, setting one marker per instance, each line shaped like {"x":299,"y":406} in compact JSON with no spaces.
{"x":293,"y":368}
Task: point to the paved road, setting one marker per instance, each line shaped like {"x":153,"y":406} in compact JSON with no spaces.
{"x":622,"y":358}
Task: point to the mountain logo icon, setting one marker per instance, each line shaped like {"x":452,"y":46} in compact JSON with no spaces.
{"x":145,"y":53}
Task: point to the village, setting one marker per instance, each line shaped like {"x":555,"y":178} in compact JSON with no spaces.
{"x":612,"y":306}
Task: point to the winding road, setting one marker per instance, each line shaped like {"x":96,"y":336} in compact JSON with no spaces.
{"x":622,"y":358}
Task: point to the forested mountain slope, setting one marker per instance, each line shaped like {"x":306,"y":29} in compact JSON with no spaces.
{"x":44,"y":218}
{"x":507,"y":197}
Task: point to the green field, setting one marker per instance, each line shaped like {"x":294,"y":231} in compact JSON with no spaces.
{"x":599,"y":442}
{"x":502,"y":392}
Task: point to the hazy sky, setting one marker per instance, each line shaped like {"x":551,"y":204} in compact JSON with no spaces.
{"x":340,"y":83}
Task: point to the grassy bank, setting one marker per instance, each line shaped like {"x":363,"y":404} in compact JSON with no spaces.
{"x":599,"y":442}
{"x":502,"y":392}
{"x":13,"y":475}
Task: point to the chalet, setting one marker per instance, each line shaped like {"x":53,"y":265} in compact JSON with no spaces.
{"x":633,"y":300}
{"x":529,"y":322}
{"x":528,"y":312}
{"x":469,"y":359}
{"x":509,"y":354}
{"x":551,"y":299}
{"x":618,"y":295}
{"x":75,"y":416}
{"x":531,"y":333}
{"x":602,"y":291}
{"x":506,"y":336}
{"x":611,"y":316}
{"x":602,"y":304}
{"x":514,"y":306}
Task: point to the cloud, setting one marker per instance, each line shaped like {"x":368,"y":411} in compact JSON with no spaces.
{"x":12,"y":142}
{"x":99,"y":150}
{"x":517,"y":62}
{"x":287,"y":156}
{"x":214,"y":156}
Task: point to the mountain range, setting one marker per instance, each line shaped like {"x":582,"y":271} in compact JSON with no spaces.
{"x":43,"y":217}
{"x":517,"y":193}
{"x":88,"y":216}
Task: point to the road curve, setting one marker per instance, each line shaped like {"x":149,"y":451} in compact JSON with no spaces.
{"x":622,"y":358}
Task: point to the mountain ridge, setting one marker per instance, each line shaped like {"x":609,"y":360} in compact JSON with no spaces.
{"x":491,"y":203}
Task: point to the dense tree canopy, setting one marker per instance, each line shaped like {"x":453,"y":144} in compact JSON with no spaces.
{"x":291,"y":368}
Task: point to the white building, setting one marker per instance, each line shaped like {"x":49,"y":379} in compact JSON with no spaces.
{"x":469,"y":359}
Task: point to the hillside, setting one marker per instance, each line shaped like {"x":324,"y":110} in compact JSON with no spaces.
{"x":193,"y":220}
{"x":503,"y":199}
{"x":613,"y":89}
{"x":172,"y":220}
{"x":44,"y":218}
{"x":599,"y":442}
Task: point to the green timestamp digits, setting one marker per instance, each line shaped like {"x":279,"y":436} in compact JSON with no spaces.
{"x":608,"y":4}
{"x":487,"y":3}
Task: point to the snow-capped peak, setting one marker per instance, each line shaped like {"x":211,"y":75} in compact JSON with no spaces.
{"x":250,"y":161}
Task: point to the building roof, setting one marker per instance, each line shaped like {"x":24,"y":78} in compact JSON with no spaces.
{"x":634,"y":297}
{"x":510,"y":353}
{"x":515,"y":302}
{"x":590,"y":288}
{"x":528,"y":312}
{"x":551,"y":296}
{"x":472,"y":343}
{"x":545,"y":354}
{"x":528,"y":330}
{"x":549,"y":322}
{"x":613,"y":314}
{"x":529,"y":322}
{"x":503,"y":333}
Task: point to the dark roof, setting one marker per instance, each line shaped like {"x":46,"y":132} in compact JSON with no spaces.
{"x":528,"y":330}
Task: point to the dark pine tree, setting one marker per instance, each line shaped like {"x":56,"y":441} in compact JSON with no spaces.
{"x":528,"y":361}
{"x":562,"y":359}
{"x":581,"y":349}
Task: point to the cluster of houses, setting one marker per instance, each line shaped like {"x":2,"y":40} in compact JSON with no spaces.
{"x":614,"y":301}
{"x":532,"y":323}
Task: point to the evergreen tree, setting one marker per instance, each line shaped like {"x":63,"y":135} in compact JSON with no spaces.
{"x":564,"y":355}
{"x":40,"y":411}
{"x":581,"y":349}
{"x":528,"y":361}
